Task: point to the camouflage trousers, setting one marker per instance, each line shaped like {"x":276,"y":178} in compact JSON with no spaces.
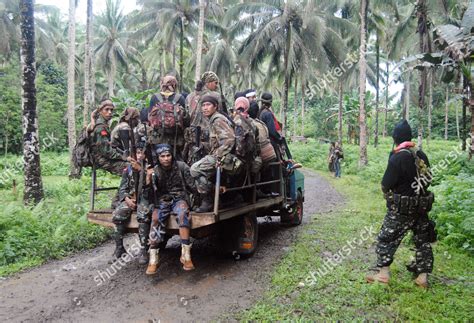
{"x":161,"y":215}
{"x":122,"y":214}
{"x":394,"y":228}
{"x":202,"y":171}
{"x":113,"y":166}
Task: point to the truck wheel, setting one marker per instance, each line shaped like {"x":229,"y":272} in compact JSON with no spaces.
{"x":294,"y":216}
{"x":247,"y":236}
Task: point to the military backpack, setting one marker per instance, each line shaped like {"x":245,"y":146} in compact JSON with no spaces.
{"x":167,"y":115}
{"x":81,"y":154}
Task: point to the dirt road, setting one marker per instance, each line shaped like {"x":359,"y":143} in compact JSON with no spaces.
{"x":85,"y":288}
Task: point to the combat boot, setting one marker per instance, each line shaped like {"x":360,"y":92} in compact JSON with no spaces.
{"x":422,"y":280}
{"x":383,"y":276}
{"x":186,"y":257}
{"x":154,"y":262}
{"x":143,"y":256}
{"x":206,"y":204}
{"x":118,"y":237}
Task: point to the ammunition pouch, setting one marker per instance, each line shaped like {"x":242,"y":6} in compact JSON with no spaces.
{"x":231,"y":164}
{"x":410,"y":205}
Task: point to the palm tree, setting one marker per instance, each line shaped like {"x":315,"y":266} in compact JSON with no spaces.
{"x":33,"y":191}
{"x":88,"y":66}
{"x":113,"y":46}
{"x":71,"y":115}
{"x":9,"y":32}
{"x":202,"y":7}
{"x":363,"y":161}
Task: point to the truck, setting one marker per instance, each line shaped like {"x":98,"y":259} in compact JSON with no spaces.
{"x":235,"y":220}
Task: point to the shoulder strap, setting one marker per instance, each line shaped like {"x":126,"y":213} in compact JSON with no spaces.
{"x":159,"y":97}
{"x":176,"y":98}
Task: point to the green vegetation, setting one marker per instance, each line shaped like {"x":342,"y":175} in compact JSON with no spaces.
{"x":342,"y":293}
{"x":54,"y":228}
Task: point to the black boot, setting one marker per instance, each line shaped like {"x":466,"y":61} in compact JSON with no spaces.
{"x":118,"y":237}
{"x":206,"y":204}
{"x":143,"y":233}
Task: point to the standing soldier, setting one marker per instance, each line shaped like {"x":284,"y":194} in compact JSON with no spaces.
{"x":274,"y":129}
{"x":166,"y":118}
{"x":222,"y":142}
{"x":131,"y":198}
{"x":103,"y":155}
{"x":408,"y":203}
{"x":171,"y":181}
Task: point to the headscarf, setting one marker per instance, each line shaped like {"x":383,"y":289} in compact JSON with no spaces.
{"x":168,"y":84}
{"x":106,"y":103}
{"x":209,"y":76}
{"x":130,"y":114}
{"x":162,"y":148}
{"x":242,"y":103}
{"x":402,"y":132}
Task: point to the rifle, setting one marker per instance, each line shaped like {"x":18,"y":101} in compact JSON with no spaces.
{"x":223,"y":100}
{"x":285,"y":145}
{"x":149,"y":156}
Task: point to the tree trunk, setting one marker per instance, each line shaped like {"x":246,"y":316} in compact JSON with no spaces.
{"x":457,"y":122}
{"x":181,"y":57}
{"x":430,"y":104}
{"x":295,"y":107}
{"x":464,"y":108}
{"x":71,"y":114}
{"x":423,"y":30}
{"x":202,"y":7}
{"x":302,"y":105}
{"x":407,"y":98}
{"x":111,"y":75}
{"x":88,"y":67}
{"x":363,"y":161}
{"x":377,"y":90}
{"x":286,"y":85}
{"x":446,"y":110}
{"x":386,"y":101}
{"x":339,"y":116}
{"x":33,"y":191}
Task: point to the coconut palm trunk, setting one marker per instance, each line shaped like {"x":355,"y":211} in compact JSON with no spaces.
{"x":181,"y":57}
{"x":377,"y":96}
{"x":386,"y":101}
{"x":430,"y":104}
{"x":339,"y":115}
{"x":302,"y":106}
{"x":71,"y":116}
{"x":446,"y":109}
{"x":202,"y":7}
{"x":295,"y":108}
{"x":88,"y":93}
{"x":363,"y":160}
{"x":33,"y":191}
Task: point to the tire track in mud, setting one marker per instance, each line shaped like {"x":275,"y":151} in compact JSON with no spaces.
{"x":71,"y":289}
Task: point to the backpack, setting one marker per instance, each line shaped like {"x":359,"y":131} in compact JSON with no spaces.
{"x":81,"y":154}
{"x":245,"y":143}
{"x":167,"y":115}
{"x":422,"y":170}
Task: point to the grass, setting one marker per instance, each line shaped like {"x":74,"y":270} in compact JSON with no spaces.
{"x":342,"y":293}
{"x":56,"y":227}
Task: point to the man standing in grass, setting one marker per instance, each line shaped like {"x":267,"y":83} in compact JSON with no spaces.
{"x":408,"y":203}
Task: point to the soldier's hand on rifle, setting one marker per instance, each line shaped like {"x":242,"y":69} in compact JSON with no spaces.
{"x":135,"y":165}
{"x":149,"y":175}
{"x":131,"y":203}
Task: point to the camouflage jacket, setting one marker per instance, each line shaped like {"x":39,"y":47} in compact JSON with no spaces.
{"x":222,"y":135}
{"x":101,"y":144}
{"x":115,"y":139}
{"x":174,"y":183}
{"x":127,"y":184}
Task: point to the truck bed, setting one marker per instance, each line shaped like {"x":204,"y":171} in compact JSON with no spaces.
{"x":103,"y":217}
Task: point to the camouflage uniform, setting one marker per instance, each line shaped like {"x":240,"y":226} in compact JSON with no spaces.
{"x":171,"y":189}
{"x":122,"y":213}
{"x":222,"y":142}
{"x":103,"y":154}
{"x":115,"y":139}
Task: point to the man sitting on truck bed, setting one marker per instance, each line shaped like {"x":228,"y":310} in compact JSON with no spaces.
{"x":171,"y":182}
{"x":222,"y":142}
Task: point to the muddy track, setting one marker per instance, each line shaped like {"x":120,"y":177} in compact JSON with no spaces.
{"x":85,"y":288}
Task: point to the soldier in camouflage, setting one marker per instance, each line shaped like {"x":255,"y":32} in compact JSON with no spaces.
{"x":171,"y":182}
{"x":222,"y":142}
{"x":104,"y":156}
{"x":128,"y":200}
{"x":408,"y":203}
{"x":120,"y":136}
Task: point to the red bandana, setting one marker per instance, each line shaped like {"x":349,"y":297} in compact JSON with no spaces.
{"x":404,"y":145}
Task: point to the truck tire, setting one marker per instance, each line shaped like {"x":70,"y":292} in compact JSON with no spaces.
{"x":294,"y":216}
{"x":247,"y":238}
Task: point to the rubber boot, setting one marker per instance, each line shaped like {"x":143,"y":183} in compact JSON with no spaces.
{"x":422,"y":280}
{"x":383,"y":276}
{"x":143,"y":233}
{"x":154,"y":262}
{"x":206,"y":204}
{"x":186,"y":257}
{"x":118,"y":237}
